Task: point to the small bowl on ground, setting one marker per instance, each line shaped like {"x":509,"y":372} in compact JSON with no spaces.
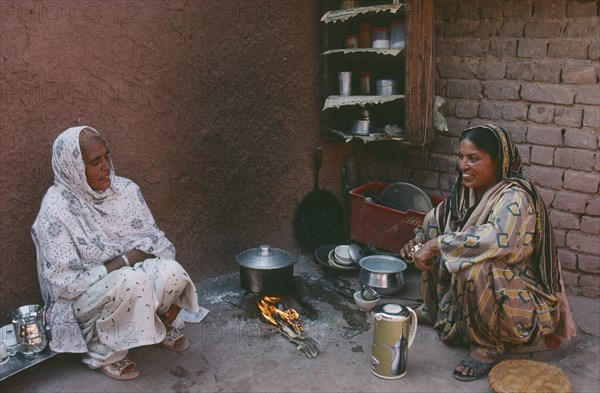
{"x":364,"y":305}
{"x":342,"y":255}
{"x":369,"y":293}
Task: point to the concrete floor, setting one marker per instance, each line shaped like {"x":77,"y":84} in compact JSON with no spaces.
{"x":234,"y":351}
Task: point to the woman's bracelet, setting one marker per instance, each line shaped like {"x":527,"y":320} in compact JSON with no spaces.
{"x":125,"y":259}
{"x":414,"y":249}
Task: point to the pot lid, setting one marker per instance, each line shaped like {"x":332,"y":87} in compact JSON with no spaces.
{"x":391,"y":311}
{"x":265,"y":257}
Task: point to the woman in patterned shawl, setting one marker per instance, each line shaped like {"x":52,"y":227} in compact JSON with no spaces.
{"x":107,"y":273}
{"x":491,"y":276}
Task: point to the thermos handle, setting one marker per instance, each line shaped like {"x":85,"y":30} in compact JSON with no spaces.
{"x":412,"y":332}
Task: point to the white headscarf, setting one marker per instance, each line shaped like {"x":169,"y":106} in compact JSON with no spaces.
{"x":78,"y":229}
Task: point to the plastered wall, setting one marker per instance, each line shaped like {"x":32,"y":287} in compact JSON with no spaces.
{"x":209,"y":105}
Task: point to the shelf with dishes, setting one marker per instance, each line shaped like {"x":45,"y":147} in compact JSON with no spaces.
{"x":365,"y":61}
{"x":372,"y":55}
{"x":365,"y":118}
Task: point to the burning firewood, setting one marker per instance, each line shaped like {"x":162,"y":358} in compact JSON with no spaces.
{"x":288,"y":321}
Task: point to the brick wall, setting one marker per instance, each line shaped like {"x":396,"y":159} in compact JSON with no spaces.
{"x":531,"y":67}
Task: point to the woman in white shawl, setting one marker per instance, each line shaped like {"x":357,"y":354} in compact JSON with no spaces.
{"x":107,"y":273}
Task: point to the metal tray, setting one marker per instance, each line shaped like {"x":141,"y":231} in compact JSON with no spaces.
{"x":406,"y":196}
{"x":18,"y":363}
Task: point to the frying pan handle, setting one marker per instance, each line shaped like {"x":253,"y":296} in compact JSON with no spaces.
{"x":318,"y":163}
{"x":318,"y":157}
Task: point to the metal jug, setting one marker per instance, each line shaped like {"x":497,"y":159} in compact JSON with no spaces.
{"x":28,"y":322}
{"x":395,"y":330}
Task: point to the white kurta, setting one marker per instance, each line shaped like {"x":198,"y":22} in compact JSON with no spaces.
{"x":77,"y":230}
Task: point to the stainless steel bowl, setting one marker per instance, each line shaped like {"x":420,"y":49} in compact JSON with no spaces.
{"x":383,"y":273}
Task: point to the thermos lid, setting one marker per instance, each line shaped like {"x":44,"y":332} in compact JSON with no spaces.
{"x":390,"y":311}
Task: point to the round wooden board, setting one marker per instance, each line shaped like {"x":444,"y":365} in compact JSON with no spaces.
{"x":525,"y":376}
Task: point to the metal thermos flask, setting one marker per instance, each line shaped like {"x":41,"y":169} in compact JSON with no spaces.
{"x":395,"y":330}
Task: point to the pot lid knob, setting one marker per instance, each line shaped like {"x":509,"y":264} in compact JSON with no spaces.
{"x":265,"y":250}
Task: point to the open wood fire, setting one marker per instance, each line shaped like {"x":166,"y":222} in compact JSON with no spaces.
{"x":288,"y":321}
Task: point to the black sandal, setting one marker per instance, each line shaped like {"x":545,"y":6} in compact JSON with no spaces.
{"x":480,"y":369}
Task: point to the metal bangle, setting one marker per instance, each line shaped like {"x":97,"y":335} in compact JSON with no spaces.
{"x":414,"y":249}
{"x":125,"y":259}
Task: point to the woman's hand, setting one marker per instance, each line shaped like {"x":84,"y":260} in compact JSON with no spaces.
{"x":426,"y":253}
{"x":133,"y":256}
{"x":136,"y":256}
{"x":406,"y":252}
{"x":114,"y":264}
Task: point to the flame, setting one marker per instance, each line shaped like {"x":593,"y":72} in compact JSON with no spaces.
{"x":270,"y":309}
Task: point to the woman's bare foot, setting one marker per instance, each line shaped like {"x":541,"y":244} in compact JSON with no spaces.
{"x":169,"y":316}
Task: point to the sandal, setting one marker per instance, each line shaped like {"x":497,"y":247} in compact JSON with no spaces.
{"x":478,"y":368}
{"x":175,"y":341}
{"x":122,"y":370}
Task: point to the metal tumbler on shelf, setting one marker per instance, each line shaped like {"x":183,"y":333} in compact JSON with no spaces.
{"x":386,"y":87}
{"x":345,"y":82}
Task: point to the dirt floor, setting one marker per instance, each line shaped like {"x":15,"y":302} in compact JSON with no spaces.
{"x":233,"y":350}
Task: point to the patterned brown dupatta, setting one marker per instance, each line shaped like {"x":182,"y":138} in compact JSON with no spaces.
{"x":460,"y":205}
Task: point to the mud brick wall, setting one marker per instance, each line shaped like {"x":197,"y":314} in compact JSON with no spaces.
{"x":531,"y":67}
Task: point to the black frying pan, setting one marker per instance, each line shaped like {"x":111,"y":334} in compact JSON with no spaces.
{"x":318,"y":219}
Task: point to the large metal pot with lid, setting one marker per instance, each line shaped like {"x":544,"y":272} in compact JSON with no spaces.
{"x":266,"y":269}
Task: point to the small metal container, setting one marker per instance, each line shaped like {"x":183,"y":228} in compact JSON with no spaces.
{"x":361,"y":127}
{"x":345,"y":82}
{"x":369,"y":293}
{"x":365,"y":82}
{"x":386,"y":87}
{"x":29,"y":326}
